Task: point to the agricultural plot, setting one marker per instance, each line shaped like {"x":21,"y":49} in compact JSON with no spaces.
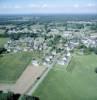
{"x":12,"y":65}
{"x":79,"y":83}
{"x":71,"y":65}
{"x":3,"y":41}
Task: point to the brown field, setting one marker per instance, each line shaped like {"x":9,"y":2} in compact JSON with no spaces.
{"x":26,"y":80}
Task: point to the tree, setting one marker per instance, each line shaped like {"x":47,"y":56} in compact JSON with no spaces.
{"x":2,"y":50}
{"x":87,"y":51}
{"x":96,"y":70}
{"x":95,"y":50}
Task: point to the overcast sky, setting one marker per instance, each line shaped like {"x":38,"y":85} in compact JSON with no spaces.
{"x":47,"y":6}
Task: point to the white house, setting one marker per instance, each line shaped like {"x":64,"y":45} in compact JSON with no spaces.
{"x":35,"y":62}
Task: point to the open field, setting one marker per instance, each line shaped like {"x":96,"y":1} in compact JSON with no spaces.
{"x":26,"y":81}
{"x":12,"y":65}
{"x":78,"y":84}
{"x":3,"y":41}
{"x":17,"y":74}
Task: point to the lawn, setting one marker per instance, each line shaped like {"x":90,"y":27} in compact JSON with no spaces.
{"x":12,"y":65}
{"x":80,"y":83}
{"x":3,"y":41}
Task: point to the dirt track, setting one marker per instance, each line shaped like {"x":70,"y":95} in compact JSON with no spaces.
{"x":26,"y":80}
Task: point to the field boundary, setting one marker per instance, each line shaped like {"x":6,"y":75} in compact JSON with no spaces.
{"x":27,"y":79}
{"x":71,"y":65}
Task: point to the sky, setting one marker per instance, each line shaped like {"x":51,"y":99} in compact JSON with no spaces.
{"x":48,"y":6}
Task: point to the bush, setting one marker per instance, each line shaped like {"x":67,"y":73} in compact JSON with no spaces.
{"x":95,"y":70}
{"x":87,"y":51}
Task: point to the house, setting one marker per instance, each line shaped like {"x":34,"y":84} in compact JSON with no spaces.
{"x":25,"y":49}
{"x":54,"y":52}
{"x":47,"y":59}
{"x":15,"y":50}
{"x":35,"y":62}
{"x":68,"y":54}
{"x":61,"y":62}
{"x":46,"y":64}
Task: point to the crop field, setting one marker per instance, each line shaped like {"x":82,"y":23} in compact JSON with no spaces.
{"x":3,"y":41}
{"x":77,"y":83}
{"x":12,"y":65}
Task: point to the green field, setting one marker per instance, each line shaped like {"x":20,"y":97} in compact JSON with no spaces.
{"x":12,"y":65}
{"x":80,"y":83}
{"x":3,"y":41}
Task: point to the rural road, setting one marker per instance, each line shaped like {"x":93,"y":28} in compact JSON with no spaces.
{"x":39,"y":81}
{"x":32,"y":90}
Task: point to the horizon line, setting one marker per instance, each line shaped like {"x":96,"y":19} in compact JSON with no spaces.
{"x":48,"y":13}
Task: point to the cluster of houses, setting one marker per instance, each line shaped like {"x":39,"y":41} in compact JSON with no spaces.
{"x":90,"y":41}
{"x":29,"y":44}
{"x":24,"y":44}
{"x":25,"y":29}
{"x":51,"y":56}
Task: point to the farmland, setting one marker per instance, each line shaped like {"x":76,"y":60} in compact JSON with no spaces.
{"x":3,"y":41}
{"x":53,"y":57}
{"x":12,"y":65}
{"x":80,"y":83}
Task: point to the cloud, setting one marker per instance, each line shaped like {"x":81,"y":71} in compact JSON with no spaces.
{"x":91,"y":5}
{"x":76,"y":5}
{"x":17,"y":7}
{"x":5,"y":7}
{"x":44,"y":6}
{"x":52,"y":8}
{"x":37,"y":6}
{"x":32,"y":6}
{"x":11,"y":6}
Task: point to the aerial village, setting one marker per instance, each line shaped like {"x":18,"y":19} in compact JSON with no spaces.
{"x":57,"y":42}
{"x":43,"y":54}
